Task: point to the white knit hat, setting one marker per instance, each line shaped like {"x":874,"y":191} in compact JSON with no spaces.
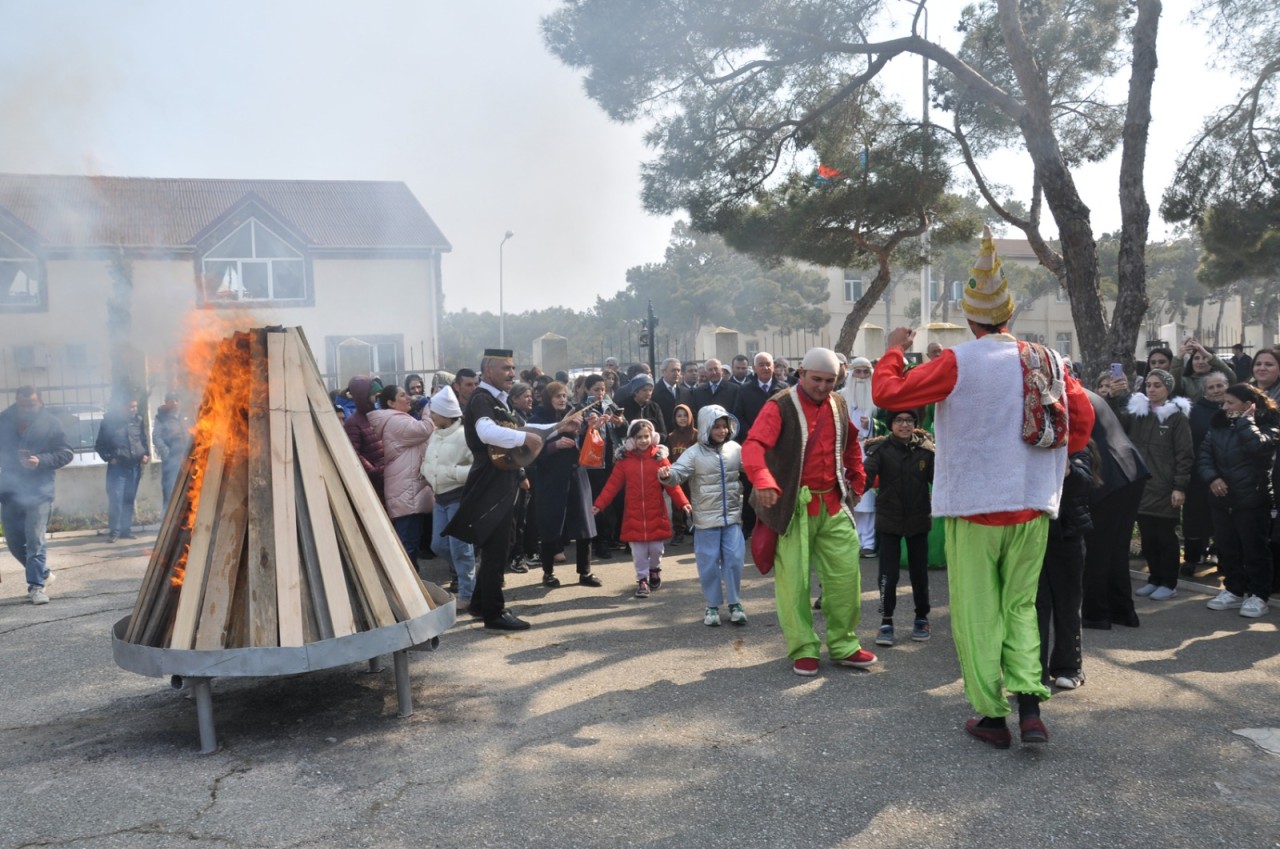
{"x":445,"y":404}
{"x":821,"y":359}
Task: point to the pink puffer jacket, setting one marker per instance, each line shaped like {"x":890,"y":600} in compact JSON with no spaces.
{"x":404,"y":442}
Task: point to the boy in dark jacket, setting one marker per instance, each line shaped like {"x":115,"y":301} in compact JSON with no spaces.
{"x":901,"y":466}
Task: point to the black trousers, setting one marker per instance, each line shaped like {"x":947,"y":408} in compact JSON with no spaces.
{"x":890,"y":570}
{"x":1244,"y":557}
{"x":1160,"y":546}
{"x":1058,"y":606}
{"x":487,"y":598}
{"x":551,"y":549}
{"x":748,"y":512}
{"x":1108,"y":590}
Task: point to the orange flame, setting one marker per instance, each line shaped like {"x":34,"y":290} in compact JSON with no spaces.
{"x":218,"y":367}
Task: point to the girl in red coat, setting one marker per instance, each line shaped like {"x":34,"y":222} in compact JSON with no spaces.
{"x":644,"y":514}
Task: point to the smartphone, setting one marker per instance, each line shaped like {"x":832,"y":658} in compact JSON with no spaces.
{"x":1117,"y":369}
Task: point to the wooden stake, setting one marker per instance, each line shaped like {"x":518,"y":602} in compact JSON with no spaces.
{"x":289,"y":591}
{"x":261,"y":592}
{"x":184,"y":624}
{"x":224,"y":558}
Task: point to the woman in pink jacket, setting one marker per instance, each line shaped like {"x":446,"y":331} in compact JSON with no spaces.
{"x":406,"y":494}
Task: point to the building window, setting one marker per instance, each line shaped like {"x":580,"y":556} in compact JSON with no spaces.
{"x":852,"y":287}
{"x":380,"y":355}
{"x":1063,"y":344}
{"x":21,"y":278}
{"x":254,"y":264}
{"x":957,"y":291}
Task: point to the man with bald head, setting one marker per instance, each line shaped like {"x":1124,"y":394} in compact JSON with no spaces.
{"x":804,"y":461}
{"x":716,"y":389}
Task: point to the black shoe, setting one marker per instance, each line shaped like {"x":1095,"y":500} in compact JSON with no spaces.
{"x":550,"y":580}
{"x":1096,"y":624}
{"x":517,"y":566}
{"x":603,"y":554}
{"x":452,"y":587}
{"x":1187,"y":570}
{"x":589,"y":580}
{"x":506,"y":621}
{"x":817,"y":603}
{"x":655,"y":579}
{"x":1129,"y":620}
{"x":113,"y":537}
{"x":127,"y":536}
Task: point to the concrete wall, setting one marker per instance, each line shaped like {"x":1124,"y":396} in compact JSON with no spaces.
{"x":81,"y":493}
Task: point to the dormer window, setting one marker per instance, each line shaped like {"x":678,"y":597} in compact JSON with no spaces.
{"x":22,"y":284}
{"x":254,"y":264}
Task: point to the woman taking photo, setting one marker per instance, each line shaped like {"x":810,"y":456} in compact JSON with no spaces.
{"x":1159,"y":429}
{"x":561,"y":493}
{"x":1236,"y":459}
{"x":1196,"y":363}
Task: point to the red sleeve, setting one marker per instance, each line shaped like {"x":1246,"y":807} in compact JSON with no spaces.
{"x":678,"y":498}
{"x":616,"y":478}
{"x":853,"y":471}
{"x":1080,"y":416}
{"x":893,"y":388}
{"x":763,"y":436}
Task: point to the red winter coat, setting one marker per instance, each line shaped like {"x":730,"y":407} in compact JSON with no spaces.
{"x":644,"y":514}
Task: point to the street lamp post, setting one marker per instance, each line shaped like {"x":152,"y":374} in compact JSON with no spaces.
{"x":502,"y":315}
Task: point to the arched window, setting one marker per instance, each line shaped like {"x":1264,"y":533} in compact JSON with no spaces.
{"x":254,"y":264}
{"x":21,"y":277}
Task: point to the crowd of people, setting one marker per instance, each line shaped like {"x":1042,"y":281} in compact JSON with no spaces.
{"x":990,"y":455}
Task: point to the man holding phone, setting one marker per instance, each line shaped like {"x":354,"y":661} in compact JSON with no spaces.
{"x":32,"y":447}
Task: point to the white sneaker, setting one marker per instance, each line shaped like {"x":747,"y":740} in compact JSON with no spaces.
{"x":1253,"y":607}
{"x":38,"y":596}
{"x":1069,"y":682}
{"x":712,"y":616}
{"x":1145,"y":589}
{"x":1225,"y":600}
{"x":1163,"y":593}
{"x":50,"y":577}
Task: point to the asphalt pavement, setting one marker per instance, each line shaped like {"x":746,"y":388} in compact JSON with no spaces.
{"x":621,"y":722}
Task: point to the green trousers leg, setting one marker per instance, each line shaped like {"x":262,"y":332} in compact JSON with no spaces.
{"x":994,"y":574}
{"x":830,"y":542}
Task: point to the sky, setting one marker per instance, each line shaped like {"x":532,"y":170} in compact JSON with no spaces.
{"x":459,"y":100}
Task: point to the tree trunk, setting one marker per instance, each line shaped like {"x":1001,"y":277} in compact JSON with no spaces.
{"x":864,"y":305}
{"x":1135,"y":213}
{"x":1079,"y":252}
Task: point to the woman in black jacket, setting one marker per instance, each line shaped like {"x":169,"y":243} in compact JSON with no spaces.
{"x":1236,"y":458}
{"x":1061,"y":588}
{"x":1197,"y":521}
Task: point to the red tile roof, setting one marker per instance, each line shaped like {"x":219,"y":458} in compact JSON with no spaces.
{"x":84,"y":212}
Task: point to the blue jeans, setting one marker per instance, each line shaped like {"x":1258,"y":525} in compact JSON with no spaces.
{"x":719,"y":552}
{"x":122,"y":489}
{"x":460,"y":556}
{"x":409,"y":529}
{"x":169,"y":477}
{"x":24,"y":529}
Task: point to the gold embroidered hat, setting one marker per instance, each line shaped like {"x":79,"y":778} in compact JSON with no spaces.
{"x":986,"y":295}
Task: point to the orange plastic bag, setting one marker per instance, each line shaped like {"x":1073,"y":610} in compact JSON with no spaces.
{"x":591,"y":456}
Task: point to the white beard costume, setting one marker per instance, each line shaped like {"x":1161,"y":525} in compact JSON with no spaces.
{"x":862,"y":411}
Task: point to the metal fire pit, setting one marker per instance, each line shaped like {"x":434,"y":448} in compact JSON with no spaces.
{"x":198,"y":668}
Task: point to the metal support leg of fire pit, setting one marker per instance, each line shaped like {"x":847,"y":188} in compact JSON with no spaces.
{"x":203,"y":692}
{"x":404,"y":694}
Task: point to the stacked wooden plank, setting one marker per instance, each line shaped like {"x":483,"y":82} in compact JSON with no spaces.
{"x":274,"y":535}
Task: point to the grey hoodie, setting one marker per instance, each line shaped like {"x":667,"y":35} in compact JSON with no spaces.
{"x":714,"y":473}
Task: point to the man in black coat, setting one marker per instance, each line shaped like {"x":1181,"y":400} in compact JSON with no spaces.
{"x":752,"y":396}
{"x":124,"y":444}
{"x":484,"y":516}
{"x":667,"y":391}
{"x":33,"y":446}
{"x":717,"y":389}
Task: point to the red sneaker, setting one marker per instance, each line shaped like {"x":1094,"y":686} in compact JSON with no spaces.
{"x":998,"y":737}
{"x":806,"y":666}
{"x":861,"y":659}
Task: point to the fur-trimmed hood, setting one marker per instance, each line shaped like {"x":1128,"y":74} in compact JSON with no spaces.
{"x":1140,"y":405}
